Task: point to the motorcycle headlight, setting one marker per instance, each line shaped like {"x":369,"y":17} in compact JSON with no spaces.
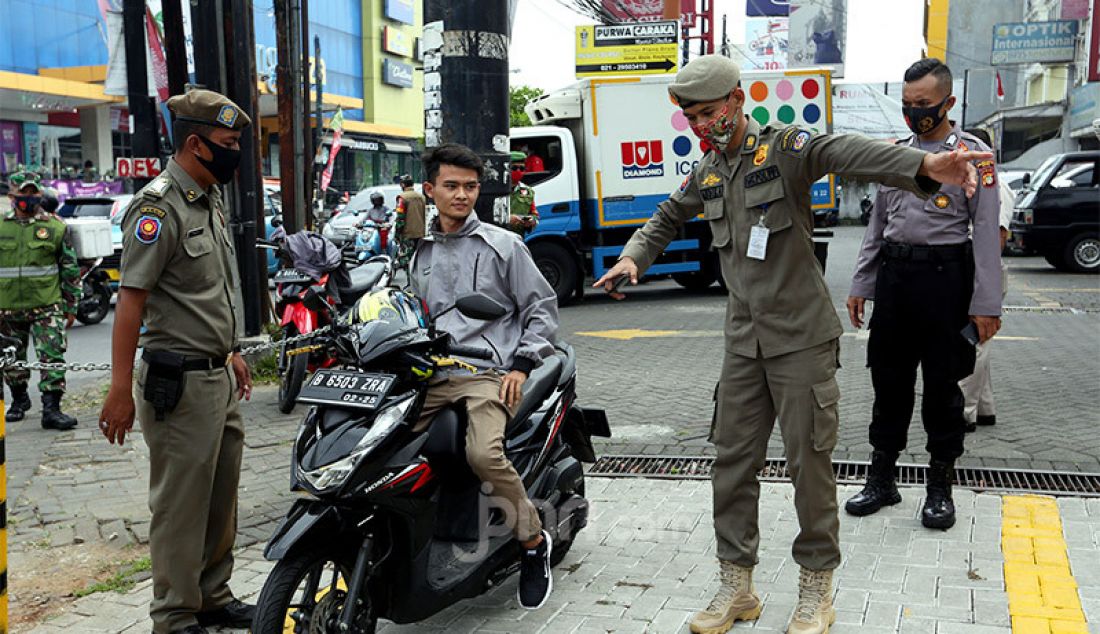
{"x":335,"y":474}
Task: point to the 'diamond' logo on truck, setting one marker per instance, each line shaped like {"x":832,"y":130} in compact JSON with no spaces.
{"x":643,"y":159}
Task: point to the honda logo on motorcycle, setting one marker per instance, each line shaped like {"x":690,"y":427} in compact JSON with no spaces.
{"x":643,"y":159}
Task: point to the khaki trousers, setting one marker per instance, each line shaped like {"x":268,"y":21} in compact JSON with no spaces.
{"x":800,"y":389}
{"x":195,"y":464}
{"x":487,"y":416}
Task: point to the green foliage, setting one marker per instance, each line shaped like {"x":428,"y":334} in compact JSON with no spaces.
{"x":121,"y":582}
{"x":518,"y":96}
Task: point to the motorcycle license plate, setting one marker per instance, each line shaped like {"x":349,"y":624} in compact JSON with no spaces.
{"x":360,"y":390}
{"x":112,"y":274}
{"x":291,"y":275}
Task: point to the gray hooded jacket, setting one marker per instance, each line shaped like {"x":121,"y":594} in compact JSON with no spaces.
{"x":481,"y":258}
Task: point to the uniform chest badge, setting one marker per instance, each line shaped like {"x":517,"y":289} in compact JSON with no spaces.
{"x":42,"y":233}
{"x":148,"y":229}
{"x":941,"y":201}
{"x":761,"y":155}
{"x":711,"y":180}
{"x":962,"y":146}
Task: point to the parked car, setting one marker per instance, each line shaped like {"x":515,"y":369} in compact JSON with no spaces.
{"x":340,"y":228}
{"x":1058,"y":215}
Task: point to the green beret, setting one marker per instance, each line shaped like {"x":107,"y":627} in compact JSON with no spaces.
{"x":516,"y":156}
{"x":210,"y":108}
{"x":705,"y":78}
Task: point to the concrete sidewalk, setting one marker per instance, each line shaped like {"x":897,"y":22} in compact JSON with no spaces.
{"x":637,"y":570}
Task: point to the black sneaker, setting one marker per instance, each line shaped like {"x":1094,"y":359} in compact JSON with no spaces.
{"x":535,"y":580}
{"x":236,"y":613}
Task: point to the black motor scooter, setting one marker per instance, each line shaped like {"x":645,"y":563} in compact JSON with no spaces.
{"x":395,"y":519}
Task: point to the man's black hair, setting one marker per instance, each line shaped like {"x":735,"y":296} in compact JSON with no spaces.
{"x":181,"y":129}
{"x":406,"y":180}
{"x":451,"y":154}
{"x":933,"y":66}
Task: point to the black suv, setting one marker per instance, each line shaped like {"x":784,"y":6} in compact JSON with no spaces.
{"x":1058,"y":212}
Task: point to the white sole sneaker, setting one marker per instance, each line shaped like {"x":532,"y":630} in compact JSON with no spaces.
{"x":549,"y":575}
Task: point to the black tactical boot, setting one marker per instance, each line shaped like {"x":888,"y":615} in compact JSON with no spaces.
{"x":881,"y":489}
{"x":939,"y":508}
{"x":52,"y":416}
{"x":18,"y":405}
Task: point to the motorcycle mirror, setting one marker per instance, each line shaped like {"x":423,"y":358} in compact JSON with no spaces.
{"x":314,"y":299}
{"x":480,"y":306}
{"x":1026,"y":179}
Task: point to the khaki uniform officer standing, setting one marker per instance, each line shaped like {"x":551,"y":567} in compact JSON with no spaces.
{"x":179,"y":278}
{"x":781,"y":328}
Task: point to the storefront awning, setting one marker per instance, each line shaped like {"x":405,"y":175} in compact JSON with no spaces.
{"x":32,"y":96}
{"x":1025,"y":118}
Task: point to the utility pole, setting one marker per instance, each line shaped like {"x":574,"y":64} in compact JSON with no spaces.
{"x":725,"y":38}
{"x":307,"y":129}
{"x":175,"y":46}
{"x":466,"y":89}
{"x":288,"y":72}
{"x":319,"y":128}
{"x":142,"y":107}
{"x":248,"y":209}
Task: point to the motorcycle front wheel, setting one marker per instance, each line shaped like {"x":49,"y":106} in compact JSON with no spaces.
{"x":290,"y":381}
{"x":305,"y":593}
{"x":95,"y":304}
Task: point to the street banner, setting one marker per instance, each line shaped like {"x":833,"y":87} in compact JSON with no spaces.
{"x":337,"y":125}
{"x":817,"y":34}
{"x":1034,"y":42}
{"x":765,"y":44}
{"x":641,"y":48}
{"x":767,"y":8}
{"x":636,"y":10}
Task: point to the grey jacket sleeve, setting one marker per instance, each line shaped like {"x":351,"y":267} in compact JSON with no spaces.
{"x":538,"y":310}
{"x":870,"y":252}
{"x":985,"y":210}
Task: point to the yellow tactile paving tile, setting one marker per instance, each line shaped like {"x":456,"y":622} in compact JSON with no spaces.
{"x":1042,"y":594}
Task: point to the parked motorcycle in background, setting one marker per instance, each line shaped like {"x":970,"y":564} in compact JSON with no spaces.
{"x":95,"y":300}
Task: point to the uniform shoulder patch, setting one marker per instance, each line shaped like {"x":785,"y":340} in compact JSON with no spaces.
{"x":987,"y":172}
{"x":750,"y":142}
{"x":684,"y":185}
{"x":147,"y":230}
{"x":794,"y":140}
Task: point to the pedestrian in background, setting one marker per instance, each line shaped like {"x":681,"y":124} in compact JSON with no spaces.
{"x":39,"y":293}
{"x":409,"y":225}
{"x":979,"y":407}
{"x":523,"y":214}
{"x":179,"y":280}
{"x":930,"y":282}
{"x":782,"y":333}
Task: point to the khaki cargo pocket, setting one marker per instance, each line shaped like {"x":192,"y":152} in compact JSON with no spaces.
{"x":714,"y":211}
{"x":826,"y":414}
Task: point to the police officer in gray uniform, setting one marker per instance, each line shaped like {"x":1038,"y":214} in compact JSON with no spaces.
{"x":929,"y":281}
{"x":781,"y":328}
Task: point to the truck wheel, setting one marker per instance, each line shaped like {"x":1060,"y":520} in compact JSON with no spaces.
{"x":1082,"y":254}
{"x":558,"y":267}
{"x":696,"y":280}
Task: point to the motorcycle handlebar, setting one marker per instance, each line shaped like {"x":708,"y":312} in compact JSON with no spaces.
{"x":474,"y":353}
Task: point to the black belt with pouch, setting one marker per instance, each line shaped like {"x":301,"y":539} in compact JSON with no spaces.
{"x":165,"y":378}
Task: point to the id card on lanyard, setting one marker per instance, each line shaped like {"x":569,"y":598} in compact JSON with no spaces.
{"x":758,"y":237}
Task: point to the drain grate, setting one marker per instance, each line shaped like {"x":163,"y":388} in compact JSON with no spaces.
{"x":775,"y":470}
{"x":1066,"y":310}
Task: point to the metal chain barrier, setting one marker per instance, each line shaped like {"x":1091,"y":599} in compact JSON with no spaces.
{"x":7,"y":359}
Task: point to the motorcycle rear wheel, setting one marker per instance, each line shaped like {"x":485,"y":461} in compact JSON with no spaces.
{"x":305,"y":593}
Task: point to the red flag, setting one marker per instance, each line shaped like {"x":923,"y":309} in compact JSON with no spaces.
{"x":1000,"y":87}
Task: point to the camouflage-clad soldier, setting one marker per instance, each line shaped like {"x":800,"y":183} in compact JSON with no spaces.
{"x":409,"y":225}
{"x":179,"y":278}
{"x":39,"y":292}
{"x":524,"y":214}
{"x":781,"y":329}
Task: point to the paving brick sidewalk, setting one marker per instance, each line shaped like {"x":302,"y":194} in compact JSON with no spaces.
{"x":633,"y":570}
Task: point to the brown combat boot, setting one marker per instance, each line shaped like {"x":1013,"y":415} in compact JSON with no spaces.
{"x":735,"y":600}
{"x":814,"y":613}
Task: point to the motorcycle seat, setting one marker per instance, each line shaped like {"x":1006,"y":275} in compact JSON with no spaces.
{"x":447,"y":434}
{"x":363,"y":277}
{"x":568,"y":361}
{"x":539,"y":385}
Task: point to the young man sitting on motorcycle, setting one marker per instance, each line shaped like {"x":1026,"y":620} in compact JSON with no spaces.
{"x":468,"y":256}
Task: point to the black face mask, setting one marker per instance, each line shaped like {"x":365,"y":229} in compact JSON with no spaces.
{"x":923,"y":120}
{"x":223,"y":163}
{"x":27,"y":204}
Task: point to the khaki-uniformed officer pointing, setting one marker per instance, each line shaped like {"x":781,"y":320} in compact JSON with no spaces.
{"x":781,"y":328}
{"x":179,"y":279}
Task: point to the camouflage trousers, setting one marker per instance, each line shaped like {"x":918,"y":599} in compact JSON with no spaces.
{"x":46,"y":326}
{"x":405,"y":249}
